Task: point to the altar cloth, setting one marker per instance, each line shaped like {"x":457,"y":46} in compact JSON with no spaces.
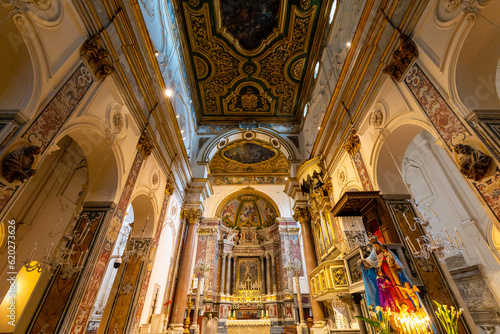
{"x":251,"y":326}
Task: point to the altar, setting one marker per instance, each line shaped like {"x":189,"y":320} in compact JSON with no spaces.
{"x":257,"y":326}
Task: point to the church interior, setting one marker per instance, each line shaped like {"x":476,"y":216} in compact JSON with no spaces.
{"x":237,"y":166}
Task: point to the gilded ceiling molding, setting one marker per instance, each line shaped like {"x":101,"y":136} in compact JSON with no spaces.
{"x":352,"y":144}
{"x":145,"y":145}
{"x":193,"y":216}
{"x":402,"y":58}
{"x":96,"y":57}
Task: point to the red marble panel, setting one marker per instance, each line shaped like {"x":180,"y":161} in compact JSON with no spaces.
{"x":362,"y":171}
{"x":448,"y":124}
{"x":111,"y":236}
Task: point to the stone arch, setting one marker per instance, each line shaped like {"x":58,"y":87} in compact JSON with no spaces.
{"x":144,"y":216}
{"x":474,"y":80}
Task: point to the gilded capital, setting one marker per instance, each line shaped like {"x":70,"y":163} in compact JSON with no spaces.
{"x":192,"y":215}
{"x":145,"y":145}
{"x":170,"y":187}
{"x":301,"y":215}
{"x":96,"y":57}
{"x":353,"y":143}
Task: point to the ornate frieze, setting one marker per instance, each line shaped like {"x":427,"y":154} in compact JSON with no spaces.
{"x":468,"y":6}
{"x":96,"y":57}
{"x":402,"y":58}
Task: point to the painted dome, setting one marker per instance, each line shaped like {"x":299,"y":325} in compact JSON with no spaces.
{"x":248,"y":208}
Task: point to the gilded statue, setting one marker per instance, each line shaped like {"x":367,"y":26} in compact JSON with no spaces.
{"x":473,"y":163}
{"x":18,"y":165}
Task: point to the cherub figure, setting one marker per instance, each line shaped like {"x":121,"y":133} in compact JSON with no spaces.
{"x":410,"y":290}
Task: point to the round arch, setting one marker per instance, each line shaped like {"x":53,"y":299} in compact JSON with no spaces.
{"x":144,"y":216}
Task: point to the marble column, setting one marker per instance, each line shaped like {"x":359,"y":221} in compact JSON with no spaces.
{"x":262,"y":275}
{"x":299,"y":300}
{"x":268,"y":275}
{"x":233,"y":289}
{"x":222,"y":274}
{"x":228,"y":276}
{"x":273,"y":274}
{"x":181,"y":294}
{"x":356,"y":298}
{"x":303,"y":217}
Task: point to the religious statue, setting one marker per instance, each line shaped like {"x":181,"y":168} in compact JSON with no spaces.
{"x":382,"y":274}
{"x":473,"y":163}
{"x":17,"y":165}
{"x":410,"y":290}
{"x":209,"y":325}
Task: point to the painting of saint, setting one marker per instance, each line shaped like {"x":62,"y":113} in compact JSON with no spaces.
{"x":248,"y":271}
{"x":250,"y":21}
{"x":229,"y":213}
{"x":248,"y":214}
{"x":249,"y":153}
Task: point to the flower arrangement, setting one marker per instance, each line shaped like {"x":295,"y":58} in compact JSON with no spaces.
{"x":379,"y":320}
{"x":448,"y":317}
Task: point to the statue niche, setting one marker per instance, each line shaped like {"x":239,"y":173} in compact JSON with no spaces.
{"x":473,"y":163}
{"x":17,"y":165}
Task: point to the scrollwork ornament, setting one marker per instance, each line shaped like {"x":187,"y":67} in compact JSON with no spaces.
{"x":96,"y":57}
{"x":145,"y":146}
{"x":468,"y":6}
{"x":353,"y":143}
{"x":18,"y":164}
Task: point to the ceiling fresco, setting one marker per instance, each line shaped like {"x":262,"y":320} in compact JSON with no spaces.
{"x":249,"y":157}
{"x":248,"y":208}
{"x":251,"y":59}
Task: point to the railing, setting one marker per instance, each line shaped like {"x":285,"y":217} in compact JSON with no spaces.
{"x":329,"y":277}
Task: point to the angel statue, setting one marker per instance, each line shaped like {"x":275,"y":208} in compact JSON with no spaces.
{"x":209,"y":325}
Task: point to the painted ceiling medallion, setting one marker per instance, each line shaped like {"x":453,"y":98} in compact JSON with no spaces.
{"x":251,"y":58}
{"x":249,"y":157}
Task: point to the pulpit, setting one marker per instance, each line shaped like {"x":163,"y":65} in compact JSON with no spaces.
{"x":251,"y":326}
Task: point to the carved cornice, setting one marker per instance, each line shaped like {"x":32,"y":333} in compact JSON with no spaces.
{"x":301,"y":215}
{"x":192,"y":216}
{"x":145,"y":145}
{"x":353,"y":143}
{"x":468,"y":6}
{"x":402,"y":58}
{"x":96,"y":57}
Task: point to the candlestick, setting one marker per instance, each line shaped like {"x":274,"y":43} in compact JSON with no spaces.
{"x":446,"y":231}
{"x":458,"y":234}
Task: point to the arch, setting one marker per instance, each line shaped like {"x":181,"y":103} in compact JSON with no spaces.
{"x":144,"y":216}
{"x":17,"y":70}
{"x":473,"y":73}
{"x":105,"y":173}
{"x":236,"y":134}
{"x":388,"y":155}
{"x":248,"y":207}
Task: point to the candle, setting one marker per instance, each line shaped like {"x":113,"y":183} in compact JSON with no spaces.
{"x":456,"y":241}
{"x":461,"y":241}
{"x":446,"y":231}
{"x":410,"y":245}
{"x":33,"y":250}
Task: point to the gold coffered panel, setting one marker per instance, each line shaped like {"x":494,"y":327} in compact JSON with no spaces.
{"x":251,"y":59}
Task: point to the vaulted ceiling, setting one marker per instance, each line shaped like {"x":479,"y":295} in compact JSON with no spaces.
{"x":251,"y":59}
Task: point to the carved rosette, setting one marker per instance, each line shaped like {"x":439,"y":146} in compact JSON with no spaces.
{"x":191,"y":215}
{"x":302,"y":215}
{"x":353,"y":143}
{"x":402,"y":58}
{"x":96,"y":57}
{"x":145,"y":146}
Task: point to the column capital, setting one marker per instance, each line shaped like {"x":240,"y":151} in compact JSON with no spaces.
{"x":145,"y":145}
{"x":193,"y":216}
{"x":302,"y":215}
{"x":170,"y":186}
